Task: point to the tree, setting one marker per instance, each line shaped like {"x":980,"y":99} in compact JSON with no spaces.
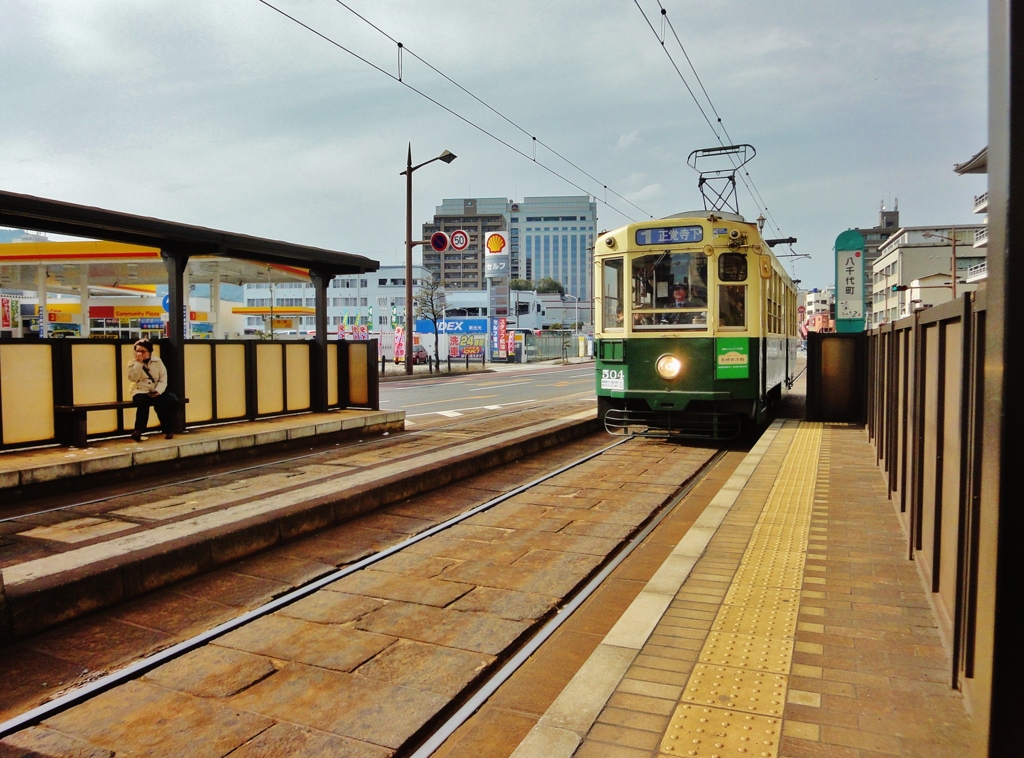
{"x":430,"y":303}
{"x":548,"y":285}
{"x":523,"y":285}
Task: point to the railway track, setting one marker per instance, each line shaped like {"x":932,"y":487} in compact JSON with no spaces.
{"x":494,"y":566}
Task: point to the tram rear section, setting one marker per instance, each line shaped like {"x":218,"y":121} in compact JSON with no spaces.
{"x":739,"y":626}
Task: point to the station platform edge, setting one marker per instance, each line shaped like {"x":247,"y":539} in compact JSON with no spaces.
{"x":27,"y":468}
{"x":786,"y":623}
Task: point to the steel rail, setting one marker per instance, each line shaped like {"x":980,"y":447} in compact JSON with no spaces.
{"x":140,"y":667}
{"x":491,"y":685}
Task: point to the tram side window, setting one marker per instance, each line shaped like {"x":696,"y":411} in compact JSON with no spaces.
{"x":612,"y":284}
{"x":732,"y":306}
{"x":732,"y":267}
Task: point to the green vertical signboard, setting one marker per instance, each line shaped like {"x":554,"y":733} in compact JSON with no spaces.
{"x":850,"y":282}
{"x":732,"y":358}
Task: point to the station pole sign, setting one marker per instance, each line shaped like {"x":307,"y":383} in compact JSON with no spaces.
{"x":850,"y":254}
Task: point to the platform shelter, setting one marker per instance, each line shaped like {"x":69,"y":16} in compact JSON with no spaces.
{"x":223,"y":380}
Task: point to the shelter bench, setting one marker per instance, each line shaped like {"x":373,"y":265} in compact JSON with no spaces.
{"x":73,"y":430}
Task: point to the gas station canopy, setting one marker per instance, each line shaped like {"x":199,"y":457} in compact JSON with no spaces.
{"x":125,"y":267}
{"x":228,"y":255}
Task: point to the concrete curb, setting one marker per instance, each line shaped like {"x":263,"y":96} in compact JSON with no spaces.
{"x":93,"y":466}
{"x":35,"y":604}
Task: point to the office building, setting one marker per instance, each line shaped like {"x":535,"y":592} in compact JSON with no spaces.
{"x":549,"y":238}
{"x":375,"y":300}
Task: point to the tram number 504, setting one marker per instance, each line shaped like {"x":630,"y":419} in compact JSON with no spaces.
{"x":613,"y":379}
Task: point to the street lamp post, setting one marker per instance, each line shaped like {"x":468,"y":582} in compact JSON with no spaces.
{"x":446,"y":157}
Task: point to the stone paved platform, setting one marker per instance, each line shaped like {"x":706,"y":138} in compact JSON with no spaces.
{"x":793,"y":628}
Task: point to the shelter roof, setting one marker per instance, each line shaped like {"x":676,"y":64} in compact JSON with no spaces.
{"x":58,"y":217}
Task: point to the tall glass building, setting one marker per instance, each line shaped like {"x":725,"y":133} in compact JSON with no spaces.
{"x":549,"y":237}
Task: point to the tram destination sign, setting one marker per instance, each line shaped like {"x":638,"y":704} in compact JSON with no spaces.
{"x":669,"y":235}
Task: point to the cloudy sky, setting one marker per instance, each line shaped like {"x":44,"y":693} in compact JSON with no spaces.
{"x":228,"y":114}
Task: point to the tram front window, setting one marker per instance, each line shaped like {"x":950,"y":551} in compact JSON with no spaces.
{"x":670,"y":291}
{"x":612,"y":284}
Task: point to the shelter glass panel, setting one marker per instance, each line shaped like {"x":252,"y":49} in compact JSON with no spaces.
{"x":270,"y":379}
{"x":199,"y":383}
{"x":358,"y":366}
{"x":26,"y":390}
{"x":95,"y":373}
{"x":297,"y":364}
{"x":332,"y":373}
{"x":230,"y":381}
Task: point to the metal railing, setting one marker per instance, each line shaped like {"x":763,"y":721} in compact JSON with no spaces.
{"x":978,"y":271}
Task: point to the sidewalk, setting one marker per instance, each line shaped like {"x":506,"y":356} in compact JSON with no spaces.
{"x":787,"y":622}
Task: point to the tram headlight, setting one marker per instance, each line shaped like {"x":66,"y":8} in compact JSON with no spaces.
{"x":668,"y":367}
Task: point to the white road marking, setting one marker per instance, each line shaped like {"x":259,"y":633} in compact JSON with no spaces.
{"x":449,"y":414}
{"x":475,"y":408}
{"x":494,"y":386}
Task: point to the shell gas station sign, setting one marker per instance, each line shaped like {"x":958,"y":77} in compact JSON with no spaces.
{"x":496,"y":255}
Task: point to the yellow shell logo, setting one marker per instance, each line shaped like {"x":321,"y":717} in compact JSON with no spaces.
{"x":495,"y":243}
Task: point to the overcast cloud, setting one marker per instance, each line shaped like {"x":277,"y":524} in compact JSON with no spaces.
{"x":226,"y":114}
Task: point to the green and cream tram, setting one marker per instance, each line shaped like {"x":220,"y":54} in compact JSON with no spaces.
{"x":696,"y":326}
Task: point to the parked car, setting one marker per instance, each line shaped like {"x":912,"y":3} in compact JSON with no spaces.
{"x":419,"y":355}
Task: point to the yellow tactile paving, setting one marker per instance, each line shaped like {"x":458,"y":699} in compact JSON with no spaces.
{"x":748,"y":651}
{"x":709,"y":732}
{"x":773,"y":576}
{"x":735,"y":696}
{"x":759,"y":596}
{"x":778,"y":620}
{"x":736,"y":689}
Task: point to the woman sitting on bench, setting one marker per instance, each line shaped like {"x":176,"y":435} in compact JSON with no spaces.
{"x":148,"y":376}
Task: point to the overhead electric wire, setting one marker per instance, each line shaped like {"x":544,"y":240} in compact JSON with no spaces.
{"x":745,"y":177}
{"x":755,"y":194}
{"x":451,"y":111}
{"x":489,"y":107}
